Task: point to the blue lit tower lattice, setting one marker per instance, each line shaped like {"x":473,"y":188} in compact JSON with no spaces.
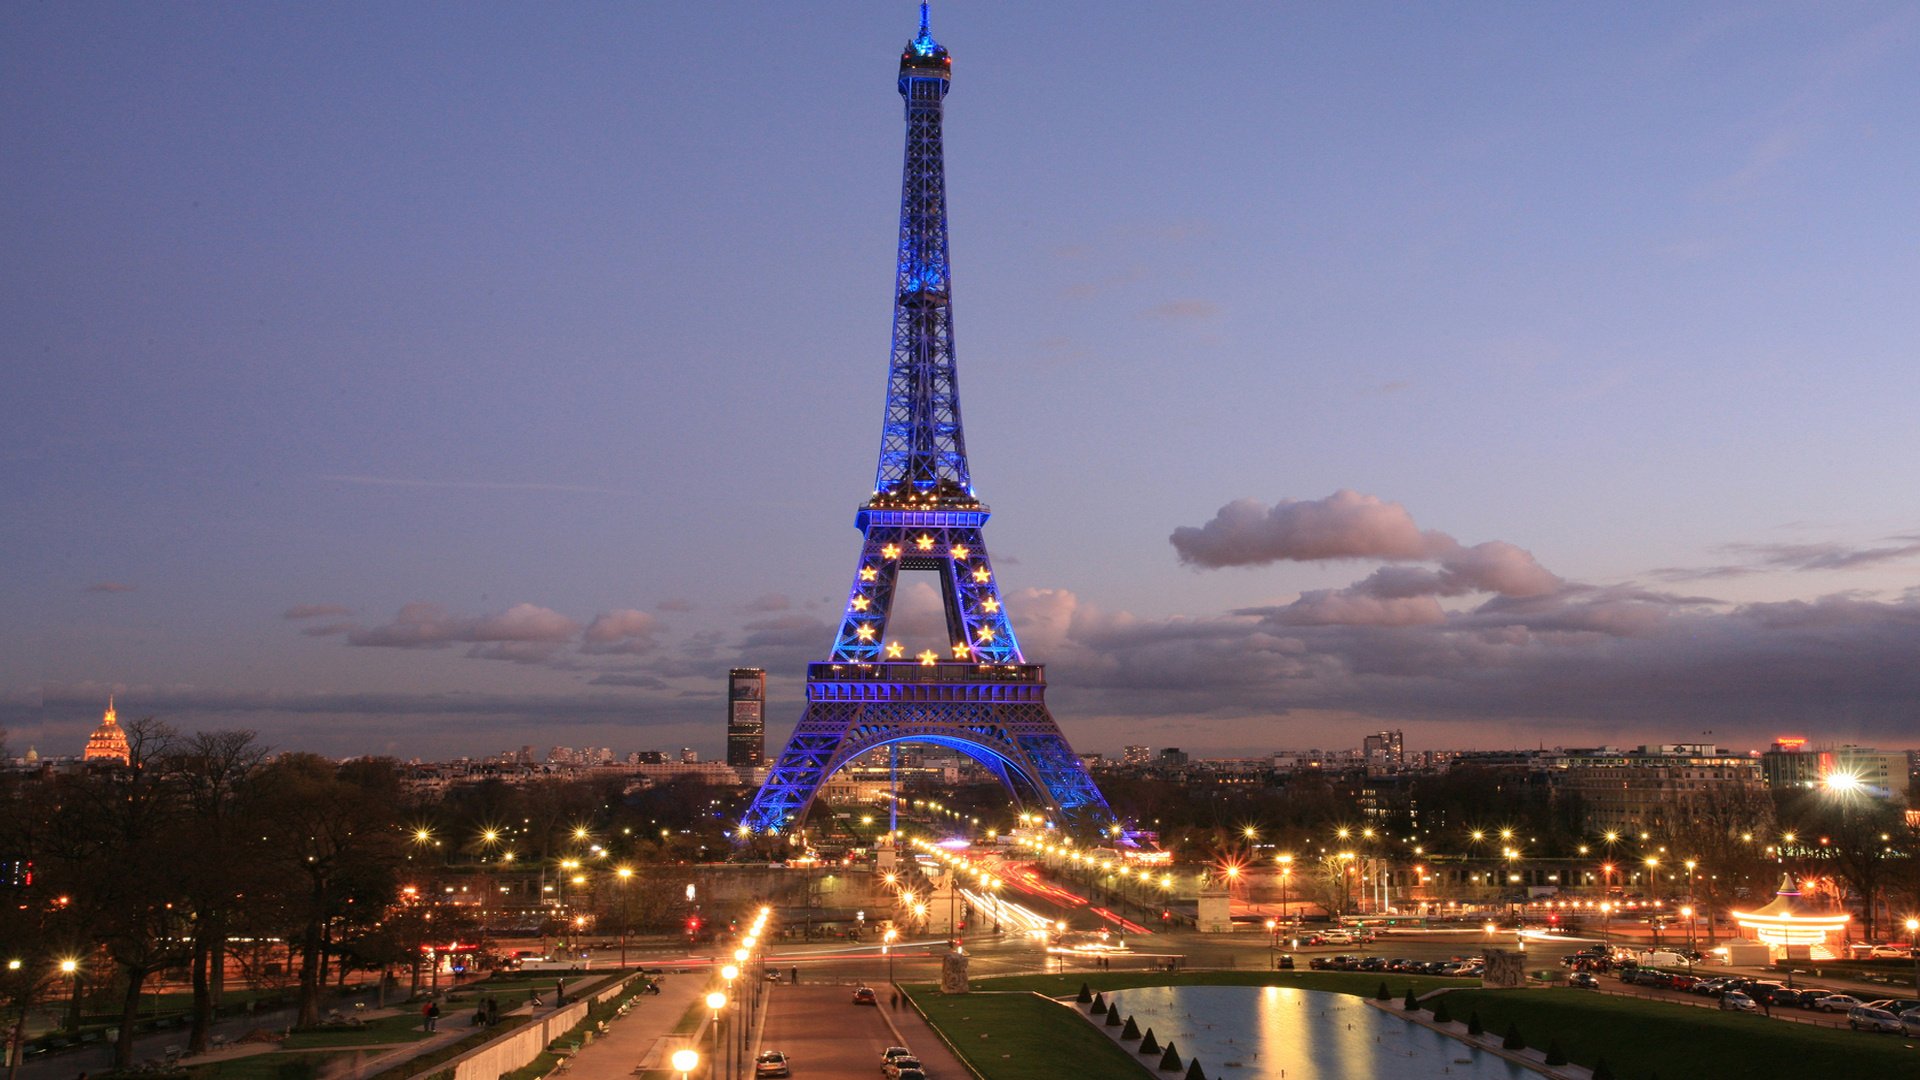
{"x":978,"y":695}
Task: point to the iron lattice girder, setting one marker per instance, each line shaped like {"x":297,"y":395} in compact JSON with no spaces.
{"x":1012,"y":734}
{"x":949,"y":543}
{"x":921,"y":441}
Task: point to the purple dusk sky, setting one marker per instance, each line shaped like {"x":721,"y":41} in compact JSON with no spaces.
{"x":431,"y":379}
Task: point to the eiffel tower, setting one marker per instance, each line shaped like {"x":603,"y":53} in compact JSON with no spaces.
{"x":978,"y":696}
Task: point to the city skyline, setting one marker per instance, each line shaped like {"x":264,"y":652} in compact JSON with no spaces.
{"x":397,"y":384}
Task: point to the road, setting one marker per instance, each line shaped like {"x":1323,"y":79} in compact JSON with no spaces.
{"x":825,"y":1035}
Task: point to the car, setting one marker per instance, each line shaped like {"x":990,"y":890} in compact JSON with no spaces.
{"x":1895,"y":1005}
{"x":864,"y":995}
{"x":1891,"y":952}
{"x":1837,"y":1003}
{"x":1868,"y":1018}
{"x":1584,"y":980}
{"x":892,"y":1052}
{"x":1735,"y":1001}
{"x":1285,"y":962}
{"x":911,"y":1074}
{"x":899,"y":1065}
{"x":1336,"y":937}
{"x":771,"y":1063}
{"x":1910,"y":1023}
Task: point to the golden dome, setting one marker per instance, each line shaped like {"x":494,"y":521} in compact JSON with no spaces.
{"x":108,"y":742}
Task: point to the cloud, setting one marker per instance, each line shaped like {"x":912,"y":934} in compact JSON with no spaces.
{"x":1344,"y":525}
{"x":430,"y":626}
{"x":1183,"y":310}
{"x":770,"y":602}
{"x":465,"y":485}
{"x":626,"y":631}
{"x":1818,"y":556}
{"x":314,"y":611}
{"x":111,"y":587}
{"x":643,"y":682}
{"x":329,"y":629}
{"x":675,"y":604}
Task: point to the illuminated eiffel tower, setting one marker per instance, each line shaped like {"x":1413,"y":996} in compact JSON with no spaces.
{"x":979,"y":696}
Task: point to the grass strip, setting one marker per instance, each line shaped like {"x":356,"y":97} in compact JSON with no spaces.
{"x":1642,"y":1038}
{"x":1360,"y":984}
{"x":403,"y":1028}
{"x":1015,"y":1036}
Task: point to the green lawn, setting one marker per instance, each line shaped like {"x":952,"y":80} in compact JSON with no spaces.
{"x":269,"y":1067}
{"x":1024,"y":1037}
{"x":403,"y":1028}
{"x":1339,"y":982}
{"x":1642,"y":1038}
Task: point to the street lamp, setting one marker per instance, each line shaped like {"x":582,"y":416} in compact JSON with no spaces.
{"x":1273,"y":944}
{"x":887,"y":948}
{"x":1913,"y":949}
{"x":1286,"y":879}
{"x":717,"y":1001}
{"x":1687,"y":914}
{"x":625,"y":874}
{"x":685,"y":1061}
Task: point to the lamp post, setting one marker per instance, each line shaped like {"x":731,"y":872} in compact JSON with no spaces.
{"x":717,"y":1001}
{"x":1273,"y":944}
{"x":1653,"y":883}
{"x":625,"y":874}
{"x":1286,"y":880}
{"x":1687,"y":914}
{"x":70,"y":967}
{"x":1913,"y":950}
{"x":685,"y":1061}
{"x":731,"y":972}
{"x":887,"y":948}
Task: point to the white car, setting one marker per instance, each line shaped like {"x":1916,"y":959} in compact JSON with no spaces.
{"x":1866,"y":1018}
{"x":1735,"y":1001}
{"x":1337,"y":937}
{"x":1837,"y":1003}
{"x":1890,"y":952}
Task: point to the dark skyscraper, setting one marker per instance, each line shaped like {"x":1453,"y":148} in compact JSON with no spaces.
{"x":746,"y":716}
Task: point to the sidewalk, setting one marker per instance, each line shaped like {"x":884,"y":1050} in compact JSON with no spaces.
{"x":644,"y":1037}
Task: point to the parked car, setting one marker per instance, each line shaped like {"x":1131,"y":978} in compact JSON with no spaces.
{"x":1735,"y":1001}
{"x":1837,"y":1003}
{"x":1584,"y":980}
{"x":1891,"y":952}
{"x":1335,"y":937}
{"x":1285,"y":962}
{"x":1910,"y":1023}
{"x":1868,"y":1018}
{"x":771,"y":1063}
{"x":864,"y":995}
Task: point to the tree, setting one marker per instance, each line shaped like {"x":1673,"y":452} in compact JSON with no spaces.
{"x":211,"y":770}
{"x":1852,"y":834}
{"x":335,"y":834}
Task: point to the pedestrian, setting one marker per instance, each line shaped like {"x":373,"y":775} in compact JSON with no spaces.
{"x":533,"y":996}
{"x":896,"y":999}
{"x":795,"y":972}
{"x":493,"y":1010}
{"x":559,"y":993}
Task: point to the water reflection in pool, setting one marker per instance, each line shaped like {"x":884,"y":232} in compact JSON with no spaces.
{"x":1284,"y":1033}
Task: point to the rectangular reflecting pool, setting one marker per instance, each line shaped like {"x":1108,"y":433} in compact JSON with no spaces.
{"x":1284,"y":1033}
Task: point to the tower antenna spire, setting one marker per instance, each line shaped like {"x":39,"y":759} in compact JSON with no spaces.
{"x":923,"y":17}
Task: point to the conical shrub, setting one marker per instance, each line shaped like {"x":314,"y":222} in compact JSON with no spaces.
{"x":1113,"y":1016}
{"x":1440,"y":1013}
{"x":1602,"y":1070}
{"x":1193,"y":1070}
{"x":1513,"y":1041}
{"x":1086,"y":994}
{"x":1131,"y":1031}
{"x":1099,"y":1003}
{"x":1149,"y":1045}
{"x":1412,"y":1004}
{"x":1170,"y":1060}
{"x":1555,"y":1055}
{"x":1473,"y":1024}
{"x":1381,"y":994}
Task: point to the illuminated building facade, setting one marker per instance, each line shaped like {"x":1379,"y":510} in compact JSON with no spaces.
{"x":746,"y":717}
{"x":1648,"y":788}
{"x":108,"y":743}
{"x":975,"y":692}
{"x":1791,"y":763}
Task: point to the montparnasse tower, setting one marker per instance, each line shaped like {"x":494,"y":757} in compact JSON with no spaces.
{"x":108,"y":742}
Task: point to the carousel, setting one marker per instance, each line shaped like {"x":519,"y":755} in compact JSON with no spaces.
{"x":1791,"y":927}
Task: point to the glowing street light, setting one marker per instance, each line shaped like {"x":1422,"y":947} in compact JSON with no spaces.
{"x":685,"y":1061}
